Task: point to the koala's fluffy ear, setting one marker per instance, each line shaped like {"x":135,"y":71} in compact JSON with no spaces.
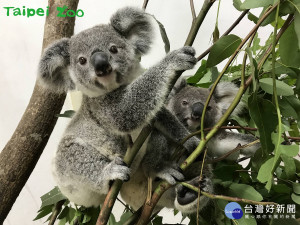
{"x":135,"y":25}
{"x":53,"y":67}
{"x":224,"y":94}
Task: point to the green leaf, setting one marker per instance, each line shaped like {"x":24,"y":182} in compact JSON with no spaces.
{"x":289,"y":150}
{"x":251,"y":4}
{"x":237,"y":4}
{"x":199,"y":74}
{"x":157,"y":220}
{"x":297,"y":26}
{"x":264,"y":173}
{"x":63,"y":221}
{"x":285,"y":222}
{"x":44,"y":212}
{"x":296,"y":188}
{"x":222,"y":49}
{"x":244,"y":191}
{"x":112,"y":220}
{"x":296,"y":198}
{"x":244,"y":221}
{"x":252,"y":18}
{"x":282,"y":189}
{"x":67,"y":114}
{"x":125,"y":216}
{"x":163,"y":34}
{"x":286,"y":109}
{"x":289,"y":166}
{"x":52,"y":197}
{"x":282,"y":88}
{"x":263,"y":112}
{"x":289,"y":47}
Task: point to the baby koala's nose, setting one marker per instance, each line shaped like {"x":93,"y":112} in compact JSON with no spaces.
{"x":197,"y":109}
{"x":101,"y":64}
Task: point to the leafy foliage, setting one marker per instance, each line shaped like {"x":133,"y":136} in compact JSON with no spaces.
{"x":270,"y":175}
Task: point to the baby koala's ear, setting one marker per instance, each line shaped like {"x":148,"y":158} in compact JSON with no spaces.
{"x":53,"y":67}
{"x":135,"y":25}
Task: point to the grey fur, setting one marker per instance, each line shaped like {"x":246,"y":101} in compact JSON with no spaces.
{"x":90,"y":153}
{"x":182,"y":102}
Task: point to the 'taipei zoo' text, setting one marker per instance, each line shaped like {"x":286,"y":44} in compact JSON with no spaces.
{"x":30,"y":12}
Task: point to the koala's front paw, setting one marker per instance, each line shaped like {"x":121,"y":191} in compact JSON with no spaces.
{"x":182,"y":59}
{"x":170,"y":173}
{"x":117,"y":169}
{"x":191,"y":144}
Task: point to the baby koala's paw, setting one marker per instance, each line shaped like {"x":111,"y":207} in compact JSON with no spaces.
{"x":182,"y":59}
{"x":170,"y":173}
{"x":117,"y":169}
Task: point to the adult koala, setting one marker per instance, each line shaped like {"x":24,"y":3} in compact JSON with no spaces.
{"x":118,"y":99}
{"x":187,"y":103}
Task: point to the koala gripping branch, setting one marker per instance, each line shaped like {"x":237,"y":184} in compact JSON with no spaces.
{"x":21,"y":153}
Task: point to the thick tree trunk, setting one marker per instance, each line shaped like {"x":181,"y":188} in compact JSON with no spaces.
{"x":21,"y":153}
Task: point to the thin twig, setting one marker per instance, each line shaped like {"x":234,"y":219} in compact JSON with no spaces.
{"x":199,"y":20}
{"x":238,"y":20}
{"x":163,"y":186}
{"x":199,"y":193}
{"x":228,"y":198}
{"x":193,"y":10}
{"x":145,"y":4}
{"x":57,"y":210}
{"x":126,"y":206}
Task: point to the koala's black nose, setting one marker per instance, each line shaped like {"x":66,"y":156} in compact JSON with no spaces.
{"x":197,"y":109}
{"x":185,"y":195}
{"x":101,"y":64}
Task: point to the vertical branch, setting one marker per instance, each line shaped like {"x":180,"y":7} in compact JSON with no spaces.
{"x":163,"y":186}
{"x":198,"y":21}
{"x":23,"y":150}
{"x":193,"y":10}
{"x":145,"y":4}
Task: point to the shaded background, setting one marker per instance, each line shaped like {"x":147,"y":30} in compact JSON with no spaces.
{"x":20,"y":49}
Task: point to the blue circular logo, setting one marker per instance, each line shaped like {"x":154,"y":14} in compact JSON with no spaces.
{"x":233,"y":210}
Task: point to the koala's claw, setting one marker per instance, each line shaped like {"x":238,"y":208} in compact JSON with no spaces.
{"x":118,"y":170}
{"x":171,"y":175}
{"x":182,"y":59}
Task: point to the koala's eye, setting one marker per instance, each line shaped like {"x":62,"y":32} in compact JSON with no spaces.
{"x":82,"y":60}
{"x":208,"y":107}
{"x":113,"y":49}
{"x":184,"y":103}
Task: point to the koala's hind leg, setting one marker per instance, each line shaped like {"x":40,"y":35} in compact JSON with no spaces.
{"x":78,"y":167}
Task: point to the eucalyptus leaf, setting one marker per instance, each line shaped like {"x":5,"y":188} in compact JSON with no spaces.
{"x":44,"y":212}
{"x":296,"y":188}
{"x":245,"y":191}
{"x":264,"y":173}
{"x":289,"y":166}
{"x":263,"y":112}
{"x":282,"y":88}
{"x":222,"y":49}
{"x":296,"y":198}
{"x":289,"y":47}
{"x":251,"y":4}
{"x":163,"y":34}
{"x":297,"y":25}
{"x":52,"y":197}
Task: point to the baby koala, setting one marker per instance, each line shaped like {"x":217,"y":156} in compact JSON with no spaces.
{"x":119,"y":98}
{"x":187,"y":103}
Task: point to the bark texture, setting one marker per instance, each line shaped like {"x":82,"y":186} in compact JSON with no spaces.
{"x":23,"y":150}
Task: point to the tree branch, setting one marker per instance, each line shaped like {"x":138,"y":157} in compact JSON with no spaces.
{"x":163,"y":186}
{"x":238,"y":20}
{"x":223,"y":197}
{"x":145,"y":4}
{"x":198,"y":21}
{"x":57,"y":210}
{"x":23,"y":150}
{"x":193,"y":10}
